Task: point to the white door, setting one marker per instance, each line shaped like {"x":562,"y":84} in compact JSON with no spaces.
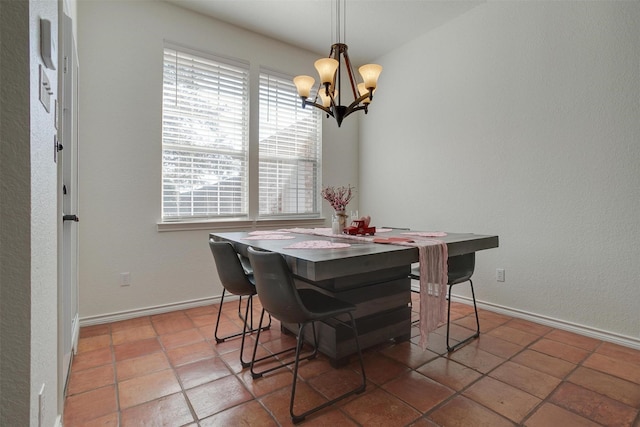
{"x":68,"y":202}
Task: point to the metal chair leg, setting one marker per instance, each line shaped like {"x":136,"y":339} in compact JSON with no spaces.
{"x":298,"y":418}
{"x":475,"y":308}
{"x":249,"y":330}
{"x":255,"y":374}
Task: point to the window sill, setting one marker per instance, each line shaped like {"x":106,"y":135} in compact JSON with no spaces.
{"x":240,"y":224}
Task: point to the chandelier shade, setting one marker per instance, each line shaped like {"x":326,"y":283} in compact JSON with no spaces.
{"x":332,"y":70}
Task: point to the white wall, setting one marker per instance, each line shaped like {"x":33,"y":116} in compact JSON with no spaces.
{"x":521,"y":119}
{"x":120,"y":52}
{"x":28,"y":320}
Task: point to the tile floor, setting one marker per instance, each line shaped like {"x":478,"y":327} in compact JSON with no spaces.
{"x":167,"y":370}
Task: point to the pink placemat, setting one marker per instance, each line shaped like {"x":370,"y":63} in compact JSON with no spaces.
{"x":427,"y":233}
{"x":270,"y":237}
{"x":317,"y":244}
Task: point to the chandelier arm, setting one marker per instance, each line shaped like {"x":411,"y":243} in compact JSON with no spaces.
{"x":315,"y":104}
{"x":349,"y":67}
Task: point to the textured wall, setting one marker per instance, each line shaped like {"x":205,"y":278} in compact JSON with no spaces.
{"x":521,"y":119}
{"x":28,"y":319}
{"x":120,"y":151}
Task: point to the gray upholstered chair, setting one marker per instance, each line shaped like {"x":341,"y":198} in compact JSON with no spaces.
{"x":281,"y":299}
{"x":460,"y":270}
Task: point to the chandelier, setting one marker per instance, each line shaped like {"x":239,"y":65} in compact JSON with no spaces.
{"x":332,"y":70}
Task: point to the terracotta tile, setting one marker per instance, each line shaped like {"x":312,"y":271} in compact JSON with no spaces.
{"x":233,"y":359}
{"x":490,"y":316}
{"x":226,"y":328}
{"x":624,"y":354}
{"x":463,"y":412}
{"x":109,"y":420}
{"x":247,"y":414}
{"x":142,"y":365}
{"x":280,"y":378}
{"x":575,"y":340}
{"x":168,"y":411}
{"x":420,"y":392}
{"x":178,"y":339}
{"x":136,"y":349}
{"x":456,"y":333}
{"x":91,"y":359}
{"x":475,"y":358}
{"x":423,"y":422}
{"x":409,"y":354}
{"x":83,"y":407}
{"x":436,"y":343}
{"x":497,"y":346}
{"x":541,"y":362}
{"x":329,"y":418}
{"x":380,"y":408}
{"x":610,"y":386}
{"x":560,"y":350}
{"x":516,"y":336}
{"x":89,"y":379}
{"x":551,"y":415}
{"x":527,"y":379}
{"x":313,"y":368}
{"x":203,"y":310}
{"x":530,"y":327}
{"x":94,"y":330}
{"x":508,"y":401}
{"x":449,"y":373}
{"x":593,"y":406}
{"x":613,"y":366}
{"x":190,"y":353}
{"x":130,"y":323}
{"x":379,"y":369}
{"x":486,"y":325}
{"x":147,"y":387}
{"x":93,"y":343}
{"x":336,"y":382}
{"x":137,"y":333}
{"x":204,"y":320}
{"x":216,"y":396}
{"x":168,"y":324}
{"x":277,"y":403}
{"x":202,"y":371}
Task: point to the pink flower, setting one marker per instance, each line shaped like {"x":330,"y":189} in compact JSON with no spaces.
{"x":338,"y":197}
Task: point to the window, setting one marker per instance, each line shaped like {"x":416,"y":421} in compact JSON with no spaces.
{"x":206,"y":142}
{"x":205,"y":136}
{"x":289,"y":150}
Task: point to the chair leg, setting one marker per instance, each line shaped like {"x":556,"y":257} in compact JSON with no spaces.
{"x":476,"y":334}
{"x":249,"y":329}
{"x":255,"y":374}
{"x":298,"y":418}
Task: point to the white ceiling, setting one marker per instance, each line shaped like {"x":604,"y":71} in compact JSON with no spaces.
{"x":373,"y":27}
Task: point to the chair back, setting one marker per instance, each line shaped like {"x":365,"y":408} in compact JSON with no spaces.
{"x":276,"y":288}
{"x":232,"y":275}
{"x":461,"y":267}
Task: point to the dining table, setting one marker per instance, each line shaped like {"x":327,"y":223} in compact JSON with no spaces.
{"x":375,"y":277}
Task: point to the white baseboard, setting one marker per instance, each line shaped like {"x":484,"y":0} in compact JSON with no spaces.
{"x":611,"y":337}
{"x":149,"y":311}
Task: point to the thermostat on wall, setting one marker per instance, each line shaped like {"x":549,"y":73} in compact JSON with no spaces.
{"x":47,"y":44}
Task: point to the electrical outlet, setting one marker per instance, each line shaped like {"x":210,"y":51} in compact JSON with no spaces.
{"x":41,"y":406}
{"x":125,"y":279}
{"x":500,"y":274}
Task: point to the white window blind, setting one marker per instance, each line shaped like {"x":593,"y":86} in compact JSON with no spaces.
{"x":205,"y":136}
{"x":289,"y":149}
